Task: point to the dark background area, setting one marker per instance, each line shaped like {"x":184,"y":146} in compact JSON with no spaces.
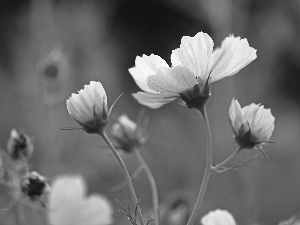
{"x":99,"y":40}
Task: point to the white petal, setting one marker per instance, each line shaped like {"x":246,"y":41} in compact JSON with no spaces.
{"x":235,"y":114}
{"x":172,"y":80}
{"x":183,"y":77}
{"x":235,"y":54}
{"x":72,"y":110}
{"x":249,"y":112}
{"x":144,"y":67}
{"x":218,"y":217}
{"x":154,"y":101}
{"x":268,"y":125}
{"x":194,"y":54}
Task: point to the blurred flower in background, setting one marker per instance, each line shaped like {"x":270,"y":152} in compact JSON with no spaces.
{"x":54,"y":72}
{"x":35,"y":188}
{"x":68,"y":204}
{"x":218,"y":217}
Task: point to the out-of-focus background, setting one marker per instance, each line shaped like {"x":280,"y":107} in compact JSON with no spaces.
{"x":99,"y":40}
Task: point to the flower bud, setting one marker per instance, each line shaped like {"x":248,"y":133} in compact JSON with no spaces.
{"x":89,"y":107}
{"x":19,"y":146}
{"x":176,"y":210}
{"x":125,"y":131}
{"x":34,"y":187}
{"x":253,"y":125}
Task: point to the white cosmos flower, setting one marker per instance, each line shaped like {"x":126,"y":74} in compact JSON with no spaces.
{"x":218,"y":217}
{"x":89,"y":107}
{"x":253,"y":124}
{"x":195,"y":65}
{"x":68,"y":204}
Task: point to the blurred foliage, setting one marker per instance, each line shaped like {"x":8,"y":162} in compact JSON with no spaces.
{"x":99,"y":40}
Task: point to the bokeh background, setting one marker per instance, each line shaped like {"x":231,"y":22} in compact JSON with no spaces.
{"x":99,"y":40}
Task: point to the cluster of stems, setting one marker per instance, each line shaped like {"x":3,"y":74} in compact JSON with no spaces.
{"x":209,"y":170}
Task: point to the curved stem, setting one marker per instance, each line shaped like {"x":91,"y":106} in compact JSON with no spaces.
{"x":221,"y":164}
{"x":127,"y":176}
{"x":208,"y":167}
{"x":152,"y":185}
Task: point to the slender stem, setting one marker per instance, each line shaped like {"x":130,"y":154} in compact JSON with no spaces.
{"x":208,"y":167}
{"x":152,"y":185}
{"x":221,"y":164}
{"x":127,"y":176}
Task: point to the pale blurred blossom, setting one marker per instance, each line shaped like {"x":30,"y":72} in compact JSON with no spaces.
{"x":218,"y":217}
{"x":69,"y":205}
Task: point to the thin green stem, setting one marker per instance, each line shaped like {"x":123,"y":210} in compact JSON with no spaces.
{"x":126,"y":174}
{"x":152,"y":182}
{"x":221,"y":164}
{"x":208,"y":167}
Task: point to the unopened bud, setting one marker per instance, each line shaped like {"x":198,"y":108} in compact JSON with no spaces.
{"x":89,"y":108}
{"x":19,"y":146}
{"x":126,"y":133}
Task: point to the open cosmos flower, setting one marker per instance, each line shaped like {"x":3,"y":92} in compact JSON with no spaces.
{"x":218,"y":217}
{"x":89,"y":107}
{"x":195,"y":65}
{"x":127,"y":133}
{"x":253,"y":124}
{"x":68,"y":204}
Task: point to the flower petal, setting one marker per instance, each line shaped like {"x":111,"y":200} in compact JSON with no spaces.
{"x":154,"y":101}
{"x":194,"y":54}
{"x":235,"y":114}
{"x":144,"y":67}
{"x":183,"y":77}
{"x":234,"y":54}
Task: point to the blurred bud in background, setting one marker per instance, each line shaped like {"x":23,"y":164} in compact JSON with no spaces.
{"x":128,"y":134}
{"x":175,"y":210}
{"x":20,"y":146}
{"x":35,"y":188}
{"x":54,"y":72}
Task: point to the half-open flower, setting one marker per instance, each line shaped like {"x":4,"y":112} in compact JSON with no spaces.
{"x":89,"y":107}
{"x":127,"y":133}
{"x":253,"y":125}
{"x":218,"y":217}
{"x":195,"y":65}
